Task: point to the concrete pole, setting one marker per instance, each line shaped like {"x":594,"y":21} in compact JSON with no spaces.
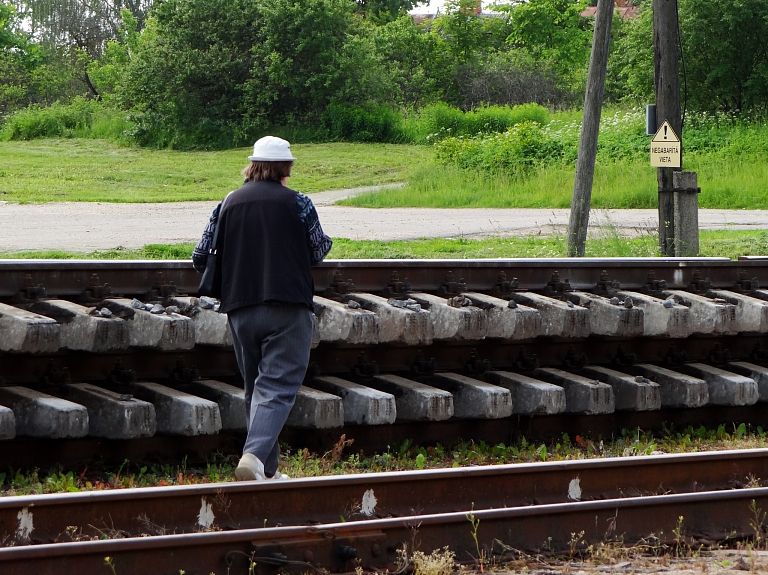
{"x":590,"y":126}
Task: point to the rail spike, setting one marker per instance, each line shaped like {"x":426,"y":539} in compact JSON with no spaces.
{"x":423,"y":367}
{"x":654,"y":286}
{"x":526,"y":363}
{"x":160,"y":289}
{"x":674,"y":357}
{"x":744,"y":284}
{"x":339,"y":288}
{"x":184,"y":375}
{"x":504,"y":288}
{"x":95,"y":292}
{"x":758,"y":354}
{"x":397,"y":289}
{"x":718,"y":355}
{"x":556,"y":288}
{"x":699,"y":284}
{"x":623,"y":358}
{"x":29,"y":292}
{"x":364,"y":368}
{"x":605,"y":287}
{"x":476,"y":366}
{"x":573,"y":360}
{"x":451,"y":287}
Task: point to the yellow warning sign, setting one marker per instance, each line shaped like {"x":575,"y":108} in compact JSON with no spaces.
{"x":665,"y":148}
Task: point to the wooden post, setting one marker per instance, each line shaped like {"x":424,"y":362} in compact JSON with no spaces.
{"x":667,"y":85}
{"x":590,"y":126}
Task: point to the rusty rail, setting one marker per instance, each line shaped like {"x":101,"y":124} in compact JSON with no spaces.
{"x":232,"y":506}
{"x":374,"y":544}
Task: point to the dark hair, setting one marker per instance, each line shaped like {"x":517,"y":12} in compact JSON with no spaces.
{"x":271,"y":171}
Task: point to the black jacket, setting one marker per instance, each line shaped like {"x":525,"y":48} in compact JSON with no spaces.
{"x":263,"y":248}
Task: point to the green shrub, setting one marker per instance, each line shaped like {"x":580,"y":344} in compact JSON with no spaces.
{"x":439,"y":121}
{"x":361,"y":124}
{"x":519,"y":149}
{"x":81,"y":118}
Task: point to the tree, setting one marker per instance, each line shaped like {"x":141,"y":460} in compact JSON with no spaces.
{"x":725,"y":47}
{"x":84,"y":24}
{"x":296,"y":61}
{"x":415,"y":61}
{"x":725,"y":44}
{"x":188,"y":73}
{"x":383,"y":11}
{"x":553,"y":31}
{"x":19,"y":58}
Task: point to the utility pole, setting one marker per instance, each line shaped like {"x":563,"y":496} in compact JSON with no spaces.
{"x":678,"y":190}
{"x":590,"y":126}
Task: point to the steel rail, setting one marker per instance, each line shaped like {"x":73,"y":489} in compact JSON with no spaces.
{"x":374,"y":544}
{"x":230,"y":506}
{"x":67,"y":278}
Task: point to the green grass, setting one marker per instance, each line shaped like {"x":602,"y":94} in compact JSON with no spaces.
{"x":726,"y":183}
{"x":608,"y":243}
{"x":404,"y":456}
{"x":100,"y":171}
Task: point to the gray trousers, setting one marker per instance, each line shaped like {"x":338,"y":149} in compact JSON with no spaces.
{"x":272,"y":344}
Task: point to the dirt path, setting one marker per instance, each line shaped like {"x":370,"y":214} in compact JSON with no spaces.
{"x":91,"y":226}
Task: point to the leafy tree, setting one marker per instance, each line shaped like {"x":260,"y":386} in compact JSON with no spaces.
{"x":188,"y":72}
{"x":87,"y":25}
{"x":19,"y":59}
{"x":418,"y":64}
{"x":726,"y":53}
{"x":553,"y":31}
{"x":461,"y":28}
{"x":107,"y":72}
{"x":725,"y":46}
{"x":296,"y":61}
{"x":383,"y":11}
{"x":630,"y":65}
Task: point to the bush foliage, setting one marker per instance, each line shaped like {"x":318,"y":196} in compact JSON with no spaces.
{"x":220,"y":73}
{"x":81,"y":118}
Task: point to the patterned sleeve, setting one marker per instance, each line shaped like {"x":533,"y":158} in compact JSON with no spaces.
{"x":319,"y":244}
{"x":200,"y":253}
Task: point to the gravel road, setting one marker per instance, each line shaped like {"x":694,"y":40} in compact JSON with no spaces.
{"x":82,"y":227}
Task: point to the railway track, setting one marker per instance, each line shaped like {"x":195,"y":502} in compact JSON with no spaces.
{"x":121,"y":358}
{"x":527,"y":508}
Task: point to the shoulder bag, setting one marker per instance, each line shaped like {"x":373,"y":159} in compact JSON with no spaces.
{"x":210,"y":283}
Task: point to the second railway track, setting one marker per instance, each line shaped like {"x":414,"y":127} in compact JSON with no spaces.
{"x":700,"y":498}
{"x":122,"y":358}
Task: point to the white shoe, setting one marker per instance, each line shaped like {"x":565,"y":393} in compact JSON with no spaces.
{"x":279,"y":476}
{"x":250,"y":468}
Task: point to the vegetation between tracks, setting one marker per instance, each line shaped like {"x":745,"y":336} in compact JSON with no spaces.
{"x":609,"y":242}
{"x":343,"y":459}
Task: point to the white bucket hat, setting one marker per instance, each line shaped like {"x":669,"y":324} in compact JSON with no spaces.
{"x":271,"y":149}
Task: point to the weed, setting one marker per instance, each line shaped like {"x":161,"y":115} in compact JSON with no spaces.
{"x":439,"y":562}
{"x":574,"y":543}
{"x":475,"y":523}
{"x":681,"y":548}
{"x":757,"y":523}
{"x":111,"y":564}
